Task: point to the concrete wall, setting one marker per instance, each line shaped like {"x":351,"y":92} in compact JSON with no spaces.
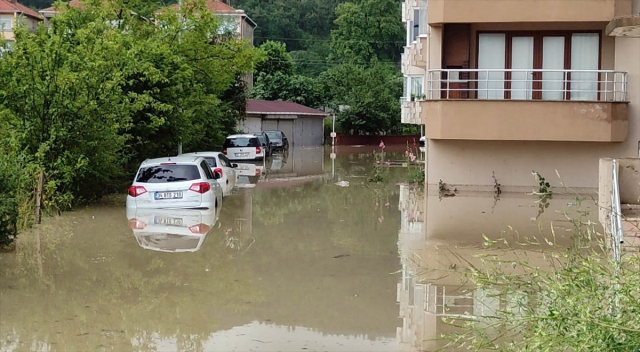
{"x":487,"y":11}
{"x":525,"y":120}
{"x":250,"y":124}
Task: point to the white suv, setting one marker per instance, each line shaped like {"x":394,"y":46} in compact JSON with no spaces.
{"x":243,"y":147}
{"x":221,"y":165}
{"x":175,"y":182}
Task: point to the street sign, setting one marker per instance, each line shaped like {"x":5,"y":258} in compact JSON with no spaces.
{"x":333,"y":135}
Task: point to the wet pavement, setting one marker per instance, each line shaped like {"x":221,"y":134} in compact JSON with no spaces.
{"x":290,"y":262}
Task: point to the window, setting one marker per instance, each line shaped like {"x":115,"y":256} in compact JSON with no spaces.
{"x":538,"y":65}
{"x":6,"y":25}
{"x":211,"y":161}
{"x":229,"y":25}
{"x":413,"y":87}
{"x":168,"y":173}
{"x":207,"y":170}
{"x":241,"y":142}
{"x":225,"y":161}
{"x":418,"y":25}
{"x":584,"y":56}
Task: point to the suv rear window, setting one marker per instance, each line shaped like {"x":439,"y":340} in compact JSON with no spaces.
{"x":241,"y":142}
{"x":274,"y":135}
{"x":168,"y":173}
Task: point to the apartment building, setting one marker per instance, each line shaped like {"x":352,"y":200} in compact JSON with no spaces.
{"x":13,"y":13}
{"x":507,"y":87}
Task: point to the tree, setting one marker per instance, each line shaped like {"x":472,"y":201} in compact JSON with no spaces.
{"x":366,"y":96}
{"x":277,"y":59}
{"x":103,"y":88}
{"x":276,"y":79}
{"x":367,"y":29}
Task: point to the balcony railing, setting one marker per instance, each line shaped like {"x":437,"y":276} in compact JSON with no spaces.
{"x":523,"y":84}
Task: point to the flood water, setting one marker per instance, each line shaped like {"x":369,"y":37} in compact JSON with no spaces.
{"x":290,"y":262}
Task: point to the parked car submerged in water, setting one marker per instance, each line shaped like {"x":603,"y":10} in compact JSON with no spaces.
{"x":175,"y":182}
{"x":172,"y":230}
{"x":243,"y":147}
{"x":265,"y":142}
{"x":249,"y":174}
{"x":221,"y":165}
{"x":278,"y":140}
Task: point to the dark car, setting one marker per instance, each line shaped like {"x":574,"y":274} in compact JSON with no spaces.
{"x":265,"y":142}
{"x":278,"y":140}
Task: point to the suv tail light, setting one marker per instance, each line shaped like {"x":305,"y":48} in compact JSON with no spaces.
{"x":200,"y":187}
{"x":200,"y":228}
{"x":257,"y":172}
{"x":224,"y":151}
{"x":135,"y":191}
{"x":217,"y":170}
{"x":258,"y":150}
{"x":136,"y":224}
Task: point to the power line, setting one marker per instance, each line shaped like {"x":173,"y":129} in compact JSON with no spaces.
{"x":328,"y":40}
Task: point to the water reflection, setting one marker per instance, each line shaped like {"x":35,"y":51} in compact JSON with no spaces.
{"x":171,"y":230}
{"x":440,"y":237}
{"x":303,"y":264}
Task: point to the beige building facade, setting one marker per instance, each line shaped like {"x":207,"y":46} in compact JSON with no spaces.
{"x":13,"y":14}
{"x":508,"y":87}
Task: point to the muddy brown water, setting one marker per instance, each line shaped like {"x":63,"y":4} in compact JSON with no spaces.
{"x":295,"y":263}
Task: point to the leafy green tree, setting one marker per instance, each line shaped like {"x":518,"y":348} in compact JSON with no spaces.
{"x":367,"y":29}
{"x":103,"y":88}
{"x":277,"y":59}
{"x":276,"y":79}
{"x":365,"y":96}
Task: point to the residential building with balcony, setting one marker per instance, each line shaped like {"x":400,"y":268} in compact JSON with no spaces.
{"x":508,"y":87}
{"x":12,"y":14}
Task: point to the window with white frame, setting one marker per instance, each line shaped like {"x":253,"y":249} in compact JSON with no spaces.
{"x":413,"y":87}
{"x":418,"y":25}
{"x":6,"y":25}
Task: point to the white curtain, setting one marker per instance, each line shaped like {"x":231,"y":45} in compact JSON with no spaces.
{"x":521,"y":58}
{"x":553,"y":84}
{"x":491,"y":55}
{"x":584,"y":56}
{"x":416,"y":86}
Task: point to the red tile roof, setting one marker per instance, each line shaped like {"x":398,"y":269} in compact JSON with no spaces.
{"x":213,"y":6}
{"x":8,"y":6}
{"x":72,"y":3}
{"x":280,"y":108}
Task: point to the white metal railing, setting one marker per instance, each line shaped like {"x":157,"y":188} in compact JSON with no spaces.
{"x":615,"y":216}
{"x":527,"y":84}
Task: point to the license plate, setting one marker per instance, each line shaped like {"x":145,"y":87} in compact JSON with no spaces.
{"x":158,"y":220}
{"x":168,"y":195}
{"x":242,"y":154}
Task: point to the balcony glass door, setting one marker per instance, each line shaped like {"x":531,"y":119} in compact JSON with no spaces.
{"x":547,"y":65}
{"x":553,"y":83}
{"x":584,"y":56}
{"x":522,"y":59}
{"x":491,"y":55}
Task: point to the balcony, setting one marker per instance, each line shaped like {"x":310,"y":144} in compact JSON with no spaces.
{"x":410,"y":111}
{"x":500,"y":11}
{"x":526,"y":105}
